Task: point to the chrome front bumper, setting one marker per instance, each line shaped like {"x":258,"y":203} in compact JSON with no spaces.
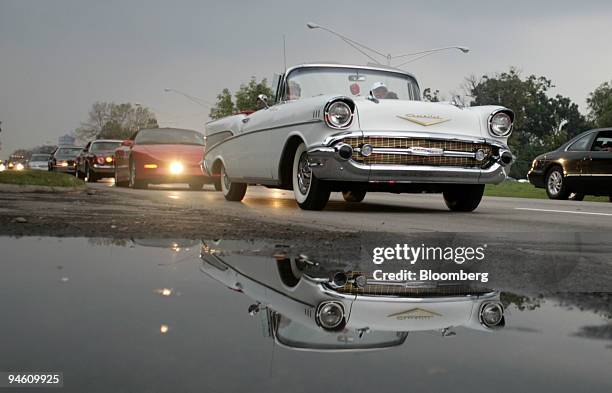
{"x":327,"y":164}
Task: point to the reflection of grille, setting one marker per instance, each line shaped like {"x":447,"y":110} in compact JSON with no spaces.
{"x":400,"y":290}
{"x":405,"y":143}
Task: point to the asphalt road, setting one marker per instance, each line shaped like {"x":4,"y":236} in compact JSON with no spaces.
{"x":382,"y":212}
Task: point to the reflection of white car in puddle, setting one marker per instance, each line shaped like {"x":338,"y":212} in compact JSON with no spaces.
{"x":346,"y":311}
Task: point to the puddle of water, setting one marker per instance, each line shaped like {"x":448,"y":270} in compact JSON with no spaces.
{"x":153,"y":315}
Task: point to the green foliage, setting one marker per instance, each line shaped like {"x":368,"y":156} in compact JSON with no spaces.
{"x":40,"y":178}
{"x":600,"y":105}
{"x":245,"y":99}
{"x":224,"y":105}
{"x":538,"y":116}
{"x":246,"y":96}
{"x":115,"y":121}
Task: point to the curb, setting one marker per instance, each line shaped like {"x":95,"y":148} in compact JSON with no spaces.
{"x":31,"y":189}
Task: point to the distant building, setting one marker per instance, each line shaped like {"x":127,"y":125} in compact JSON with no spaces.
{"x":66,"y":140}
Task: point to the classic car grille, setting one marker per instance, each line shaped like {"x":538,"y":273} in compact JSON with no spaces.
{"x":405,"y":143}
{"x":398,"y":289}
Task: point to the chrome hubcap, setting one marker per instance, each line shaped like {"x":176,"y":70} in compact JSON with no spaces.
{"x":226,"y":181}
{"x":304,"y":174}
{"x":555,"y":182}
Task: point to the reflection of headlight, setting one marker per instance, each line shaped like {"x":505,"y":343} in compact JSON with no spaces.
{"x":330,"y":315}
{"x":19,"y":167}
{"x":176,"y":168}
{"x":492,"y":315}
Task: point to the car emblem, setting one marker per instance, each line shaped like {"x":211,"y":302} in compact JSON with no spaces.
{"x":424,"y":120}
{"x":414,"y":313}
{"x":426,"y":151}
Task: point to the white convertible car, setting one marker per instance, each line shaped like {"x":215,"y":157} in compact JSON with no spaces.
{"x":356,"y":129}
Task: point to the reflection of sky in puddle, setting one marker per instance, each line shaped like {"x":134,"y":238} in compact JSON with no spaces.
{"x":103,"y":326}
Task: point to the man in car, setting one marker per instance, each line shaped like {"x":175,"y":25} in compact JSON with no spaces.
{"x":380,"y":91}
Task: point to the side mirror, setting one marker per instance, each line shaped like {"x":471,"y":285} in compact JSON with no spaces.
{"x":263,"y":99}
{"x":128,"y":143}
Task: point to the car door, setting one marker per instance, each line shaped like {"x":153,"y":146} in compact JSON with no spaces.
{"x":574,"y":161}
{"x":598,"y":167}
{"x":252,"y":147}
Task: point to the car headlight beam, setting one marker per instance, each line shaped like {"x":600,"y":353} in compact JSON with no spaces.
{"x":176,"y":168}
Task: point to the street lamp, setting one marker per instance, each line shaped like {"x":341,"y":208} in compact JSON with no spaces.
{"x":363,"y":48}
{"x":196,"y":100}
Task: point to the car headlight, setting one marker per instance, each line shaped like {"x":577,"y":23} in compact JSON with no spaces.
{"x":338,"y":114}
{"x":330,"y":315}
{"x":492,"y":315}
{"x":176,"y":168}
{"x":2,"y":168}
{"x":500,"y":123}
{"x":19,"y":167}
{"x":100,"y":160}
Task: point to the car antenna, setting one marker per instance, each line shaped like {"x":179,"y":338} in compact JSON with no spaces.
{"x":284,"y":54}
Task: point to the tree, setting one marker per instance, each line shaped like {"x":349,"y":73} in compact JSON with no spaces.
{"x":537,"y":116}
{"x":600,"y":105}
{"x":115,"y":121}
{"x":224,"y":105}
{"x":246,"y":96}
{"x":246,"y":99}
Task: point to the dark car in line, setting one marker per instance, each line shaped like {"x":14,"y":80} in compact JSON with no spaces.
{"x":97,"y":160}
{"x":582,"y":166}
{"x":161,"y":155}
{"x":63,"y":159}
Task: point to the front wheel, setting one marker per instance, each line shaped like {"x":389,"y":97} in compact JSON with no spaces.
{"x":310,"y":192}
{"x":464,"y":197}
{"x":556,"y":187}
{"x":90,"y":177}
{"x":134,"y":182}
{"x":232,"y":191}
{"x":353,"y":196}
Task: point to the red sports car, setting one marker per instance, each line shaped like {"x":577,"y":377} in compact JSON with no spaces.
{"x":161,"y":155}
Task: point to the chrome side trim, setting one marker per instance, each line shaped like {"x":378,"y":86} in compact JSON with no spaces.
{"x":260,"y":130}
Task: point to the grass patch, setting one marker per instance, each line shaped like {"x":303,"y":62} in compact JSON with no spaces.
{"x":526,"y":190}
{"x":40,"y":178}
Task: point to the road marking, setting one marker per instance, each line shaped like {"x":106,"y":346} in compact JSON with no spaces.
{"x":563,"y":211}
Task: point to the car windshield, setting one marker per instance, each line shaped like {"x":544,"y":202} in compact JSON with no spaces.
{"x":68,"y":152}
{"x":169,"y":137}
{"x":39,"y":157}
{"x":104,"y":146}
{"x":351,"y":82}
{"x":296,"y":335}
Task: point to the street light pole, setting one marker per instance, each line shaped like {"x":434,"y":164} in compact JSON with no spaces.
{"x":196,"y":100}
{"x":389,"y":57}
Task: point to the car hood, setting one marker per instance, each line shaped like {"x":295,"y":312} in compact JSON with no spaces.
{"x":188,"y":153}
{"x":404,"y":115}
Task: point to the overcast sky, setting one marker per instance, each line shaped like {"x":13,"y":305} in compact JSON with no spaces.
{"x":58,"y":56}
